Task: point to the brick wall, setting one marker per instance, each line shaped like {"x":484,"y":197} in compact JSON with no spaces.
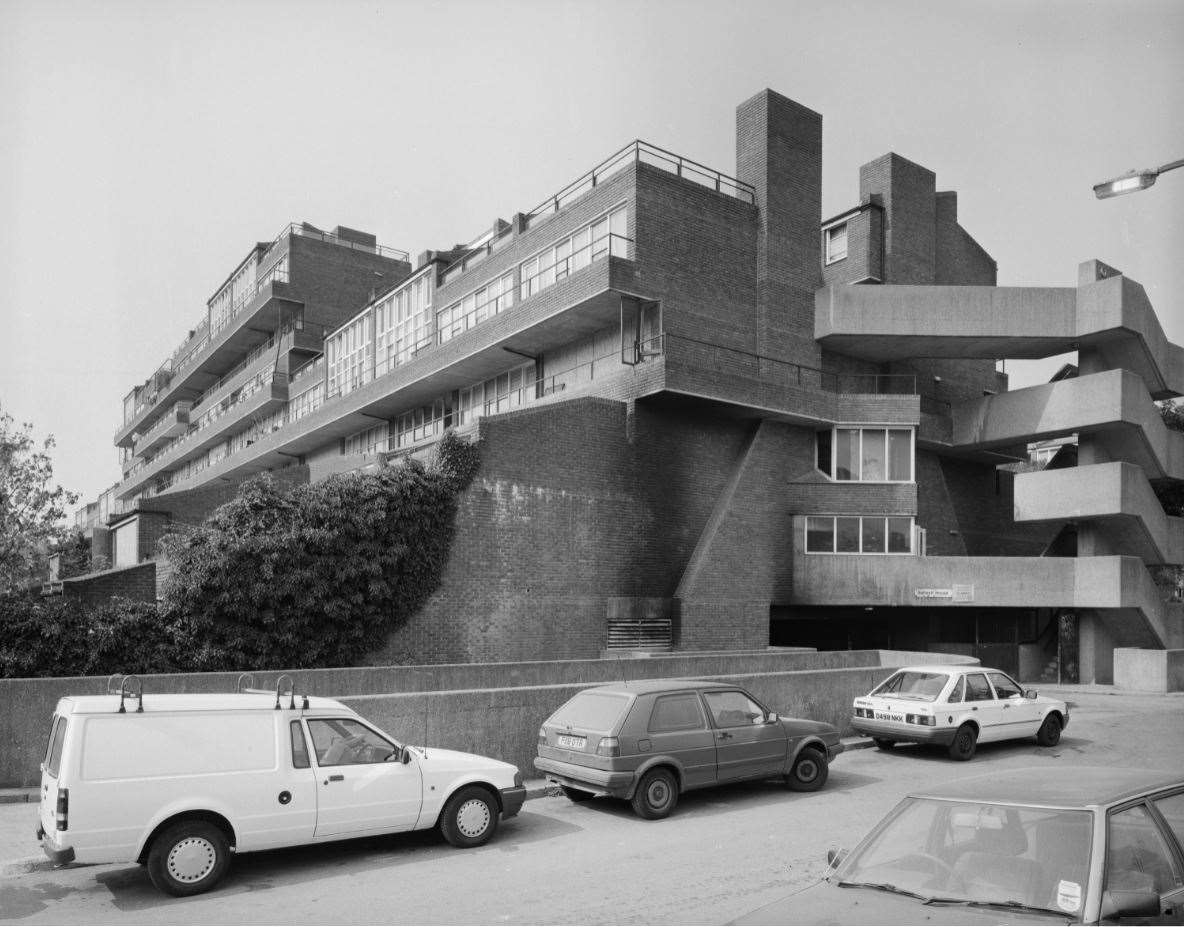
{"x":132,"y":582}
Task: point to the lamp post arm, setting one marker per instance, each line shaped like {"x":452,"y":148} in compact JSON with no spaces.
{"x":1171,"y":166}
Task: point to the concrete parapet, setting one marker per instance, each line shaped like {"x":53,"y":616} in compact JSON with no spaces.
{"x":1147,"y":670}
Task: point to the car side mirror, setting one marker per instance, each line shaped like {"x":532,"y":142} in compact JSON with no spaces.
{"x":1118,"y":904}
{"x":1030,"y":693}
{"x":835,"y":857}
{"x":771,"y":717}
{"x":404,"y":755}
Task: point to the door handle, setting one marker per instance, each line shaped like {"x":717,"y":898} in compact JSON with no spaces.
{"x":338,"y":778}
{"x":1006,"y":705}
{"x":975,"y":708}
{"x":724,"y":735}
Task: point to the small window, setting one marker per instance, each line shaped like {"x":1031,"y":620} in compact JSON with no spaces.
{"x":54,"y":762}
{"x":1138,"y":858}
{"x":300,"y":749}
{"x":1171,"y":809}
{"x":847,"y":535}
{"x":872,"y":535}
{"x":820,"y":535}
{"x":1005,"y":687}
{"x":900,"y":532}
{"x":847,"y":453}
{"x":978,"y":689}
{"x":956,"y":694}
{"x":676,"y":713}
{"x":53,"y":730}
{"x":823,"y":451}
{"x":836,"y":239}
{"x":734,"y":709}
{"x":343,"y":742}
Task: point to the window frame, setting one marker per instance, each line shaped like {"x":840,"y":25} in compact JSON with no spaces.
{"x":317,"y":759}
{"x":1167,"y":837}
{"x":295,"y":730}
{"x":712,"y":718}
{"x":860,"y":428}
{"x":832,"y":231}
{"x":806,"y":534}
{"x":702,"y":724}
{"x":992,"y":683}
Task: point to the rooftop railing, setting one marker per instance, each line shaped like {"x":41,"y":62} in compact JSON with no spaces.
{"x":304,"y":230}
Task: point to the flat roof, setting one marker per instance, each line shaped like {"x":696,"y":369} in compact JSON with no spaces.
{"x":1056,"y":786}
{"x":192,"y":701}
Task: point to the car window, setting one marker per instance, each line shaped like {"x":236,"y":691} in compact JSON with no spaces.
{"x":1005,"y":687}
{"x":342,"y":742}
{"x":595,"y":711}
{"x":913,"y":684}
{"x":956,"y":694}
{"x":733,"y":709}
{"x":1171,"y":810}
{"x":978,"y":689}
{"x":54,"y":761}
{"x":1138,"y":858}
{"x":300,"y":749}
{"x":676,"y":713}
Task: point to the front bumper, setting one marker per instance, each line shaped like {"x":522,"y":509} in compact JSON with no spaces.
{"x":596,"y":781}
{"x":912,"y":733}
{"x":512,"y":801}
{"x":834,"y":750}
{"x":56,"y":856}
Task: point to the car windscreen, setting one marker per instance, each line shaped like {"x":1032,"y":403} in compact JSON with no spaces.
{"x":594,"y":711}
{"x":912,"y":684}
{"x":978,"y":852}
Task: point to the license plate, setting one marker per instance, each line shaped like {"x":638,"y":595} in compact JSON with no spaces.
{"x":572,"y":743}
{"x":885,"y":716}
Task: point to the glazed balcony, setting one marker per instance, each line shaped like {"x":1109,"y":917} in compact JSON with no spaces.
{"x":174,"y":422}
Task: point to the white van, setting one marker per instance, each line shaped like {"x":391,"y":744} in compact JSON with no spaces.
{"x":179,"y":782}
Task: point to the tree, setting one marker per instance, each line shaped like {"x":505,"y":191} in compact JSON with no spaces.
{"x":32,"y":507}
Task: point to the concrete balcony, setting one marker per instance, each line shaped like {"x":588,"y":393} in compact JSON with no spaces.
{"x":1120,"y":587}
{"x":1112,"y":315}
{"x":272,"y":395}
{"x":1114,"y":405}
{"x":173,"y":423}
{"x":1114,"y":495}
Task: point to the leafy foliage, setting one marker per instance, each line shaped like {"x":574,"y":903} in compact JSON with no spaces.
{"x":75,"y":556}
{"x":32,"y":508}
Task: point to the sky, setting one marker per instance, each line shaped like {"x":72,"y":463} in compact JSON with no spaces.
{"x":146,"y":146}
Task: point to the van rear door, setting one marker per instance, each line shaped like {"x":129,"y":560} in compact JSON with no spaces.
{"x":50,"y":773}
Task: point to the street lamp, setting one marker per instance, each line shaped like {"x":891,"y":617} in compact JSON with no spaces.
{"x":1133,"y":180}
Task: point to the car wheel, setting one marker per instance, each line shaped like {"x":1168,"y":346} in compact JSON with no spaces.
{"x":188,"y":858}
{"x":1050,"y":731}
{"x":883,"y":744}
{"x":963,"y":746}
{"x":809,"y":771}
{"x":575,"y":794}
{"x":470,"y":817}
{"x":656,"y":795}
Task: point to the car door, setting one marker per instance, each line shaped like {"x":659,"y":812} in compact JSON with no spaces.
{"x":747,"y":746}
{"x":1142,"y":856}
{"x":361,"y":785}
{"x":982,"y":707}
{"x":678,"y":727}
{"x":1019,"y":716}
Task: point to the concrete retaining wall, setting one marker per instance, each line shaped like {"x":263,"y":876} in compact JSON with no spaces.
{"x":478,"y":707}
{"x":1148,"y":670}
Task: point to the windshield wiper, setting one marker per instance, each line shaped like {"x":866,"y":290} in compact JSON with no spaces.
{"x":1010,"y":903}
{"x":884,"y":887}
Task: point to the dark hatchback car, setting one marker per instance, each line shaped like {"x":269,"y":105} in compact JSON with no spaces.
{"x":1050,"y":845}
{"x":651,"y":740}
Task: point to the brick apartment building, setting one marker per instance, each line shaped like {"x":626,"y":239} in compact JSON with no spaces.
{"x":708,"y":420}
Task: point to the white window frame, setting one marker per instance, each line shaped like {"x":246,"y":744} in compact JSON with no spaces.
{"x":542,"y":275}
{"x":829,"y":234}
{"x":859,"y":553}
{"x":861,"y":428}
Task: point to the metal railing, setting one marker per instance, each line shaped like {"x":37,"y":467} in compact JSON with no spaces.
{"x":786,"y":373}
{"x":304,"y":230}
{"x":477,"y":251}
{"x":641,"y":152}
{"x":608,"y":245}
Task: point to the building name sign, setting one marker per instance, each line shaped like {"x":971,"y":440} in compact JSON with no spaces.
{"x":959,"y":593}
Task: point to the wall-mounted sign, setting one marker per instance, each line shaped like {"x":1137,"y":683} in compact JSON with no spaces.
{"x":964,"y":593}
{"x":933,"y":593}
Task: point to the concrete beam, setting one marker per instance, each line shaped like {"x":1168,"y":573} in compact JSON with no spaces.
{"x":1116,"y":495}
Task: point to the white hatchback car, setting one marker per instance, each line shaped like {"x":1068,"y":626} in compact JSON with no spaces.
{"x":179,"y":782}
{"x":958,"y":707}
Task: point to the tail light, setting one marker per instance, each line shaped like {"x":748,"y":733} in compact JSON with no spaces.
{"x":63,"y":810}
{"x":924,"y":720}
{"x":609,"y":746}
{"x":542,"y":737}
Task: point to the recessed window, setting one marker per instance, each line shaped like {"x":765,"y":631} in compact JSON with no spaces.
{"x":836,"y":243}
{"x":859,"y":534}
{"x":866,"y":455}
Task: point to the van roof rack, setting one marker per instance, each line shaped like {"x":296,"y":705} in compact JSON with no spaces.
{"x":124,"y":691}
{"x":246,"y":683}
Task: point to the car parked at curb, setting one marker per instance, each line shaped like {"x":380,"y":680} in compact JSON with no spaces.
{"x":649,"y":741}
{"x":957,"y":707}
{"x":179,"y":783}
{"x":1071,"y":845}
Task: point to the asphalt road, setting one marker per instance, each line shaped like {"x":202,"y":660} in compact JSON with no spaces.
{"x":724,"y":851}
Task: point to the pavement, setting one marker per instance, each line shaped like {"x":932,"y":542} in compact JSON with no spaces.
{"x":724,"y":851}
